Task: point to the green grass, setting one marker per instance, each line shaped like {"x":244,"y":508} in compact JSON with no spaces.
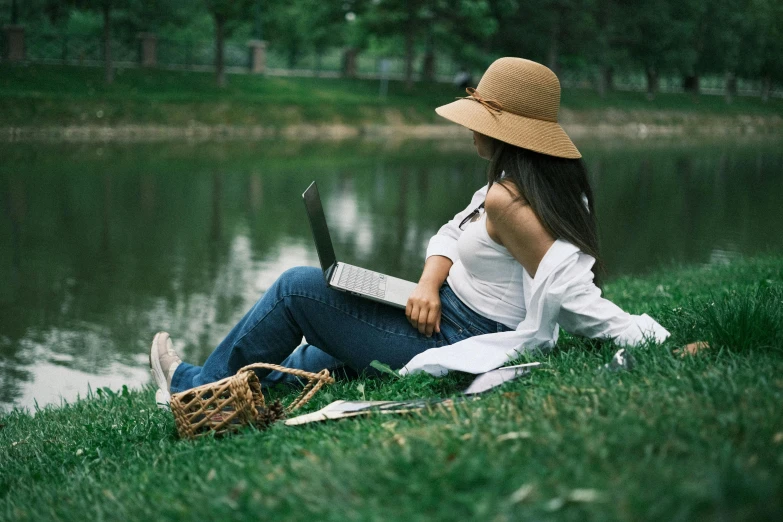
{"x":699,"y":438}
{"x":63,"y":95}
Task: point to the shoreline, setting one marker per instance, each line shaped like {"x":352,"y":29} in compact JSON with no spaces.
{"x":72,"y":104}
{"x":610,"y":124}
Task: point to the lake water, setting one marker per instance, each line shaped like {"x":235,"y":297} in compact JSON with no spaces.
{"x":103,"y":245}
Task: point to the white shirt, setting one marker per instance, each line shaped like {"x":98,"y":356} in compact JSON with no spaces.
{"x":561,"y":294}
{"x":485,"y":276}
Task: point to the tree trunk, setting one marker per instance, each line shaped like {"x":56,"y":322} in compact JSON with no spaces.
{"x":690,"y":84}
{"x":318,"y":61}
{"x":108,"y":70}
{"x":730,"y":90}
{"x":605,"y":71}
{"x":605,"y":80}
{"x":428,"y":66}
{"x":554,"y":46}
{"x":766,"y":88}
{"x":220,"y":69}
{"x":609,"y":78}
{"x":652,"y":83}
{"x":293,"y":55}
{"x":409,"y":37}
{"x":349,"y":62}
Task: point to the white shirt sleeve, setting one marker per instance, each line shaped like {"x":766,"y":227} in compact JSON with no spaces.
{"x":444,"y":243}
{"x":562,"y":291}
{"x":584,"y":312}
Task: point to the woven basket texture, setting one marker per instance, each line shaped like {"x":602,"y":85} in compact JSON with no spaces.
{"x":227,"y":405}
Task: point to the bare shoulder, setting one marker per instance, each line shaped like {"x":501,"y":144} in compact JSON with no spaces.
{"x":507,"y":208}
{"x":502,"y":197}
{"x":512,"y":223}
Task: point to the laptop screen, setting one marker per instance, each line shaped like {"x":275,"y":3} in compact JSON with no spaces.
{"x":315,"y":214}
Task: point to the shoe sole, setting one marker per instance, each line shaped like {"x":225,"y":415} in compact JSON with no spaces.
{"x":163,"y":399}
{"x":162,"y":395}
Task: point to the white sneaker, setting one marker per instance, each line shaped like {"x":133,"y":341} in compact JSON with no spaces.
{"x":163,"y":362}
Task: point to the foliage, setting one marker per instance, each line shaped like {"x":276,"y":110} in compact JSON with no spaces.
{"x":230,"y":12}
{"x":688,"y":38}
{"x":310,"y":26}
{"x":461,"y":26}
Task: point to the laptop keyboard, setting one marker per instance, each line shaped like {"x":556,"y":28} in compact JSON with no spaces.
{"x":362,"y":281}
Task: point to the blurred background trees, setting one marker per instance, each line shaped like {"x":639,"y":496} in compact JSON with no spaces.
{"x":594,"y":40}
{"x":226,"y":15}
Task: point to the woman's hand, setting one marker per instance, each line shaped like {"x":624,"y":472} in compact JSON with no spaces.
{"x":423,"y":309}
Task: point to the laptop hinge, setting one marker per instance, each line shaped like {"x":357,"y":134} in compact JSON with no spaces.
{"x":330,"y":272}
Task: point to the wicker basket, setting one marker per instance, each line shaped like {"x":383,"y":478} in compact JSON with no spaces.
{"x":225,"y":406}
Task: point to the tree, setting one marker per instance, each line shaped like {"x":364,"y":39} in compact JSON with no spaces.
{"x":392,"y":18}
{"x":126,"y":16}
{"x":546,"y":31}
{"x":691,"y":64}
{"x":105,"y":7}
{"x":653,"y":36}
{"x":762,"y":44}
{"x":224,"y":14}
{"x":465,"y":28}
{"x":107,"y":58}
{"x":309,"y":25}
{"x":718,"y":32}
{"x":411,"y":20}
{"x":603,"y":47}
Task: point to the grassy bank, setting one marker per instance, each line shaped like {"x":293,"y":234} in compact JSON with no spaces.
{"x":39,"y":95}
{"x":674,"y":439}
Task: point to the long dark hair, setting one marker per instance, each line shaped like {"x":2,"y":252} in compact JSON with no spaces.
{"x":555,"y":188}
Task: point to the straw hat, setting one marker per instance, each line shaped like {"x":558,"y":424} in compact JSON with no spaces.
{"x":516,"y":101}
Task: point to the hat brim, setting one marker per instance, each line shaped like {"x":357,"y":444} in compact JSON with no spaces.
{"x":546,"y":137}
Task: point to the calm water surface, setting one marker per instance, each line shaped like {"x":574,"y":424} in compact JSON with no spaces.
{"x":102,"y":246}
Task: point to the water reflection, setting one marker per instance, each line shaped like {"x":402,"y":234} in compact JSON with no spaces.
{"x":99,"y":251}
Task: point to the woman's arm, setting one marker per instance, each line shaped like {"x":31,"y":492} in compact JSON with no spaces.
{"x":444,"y":243}
{"x":423,"y":308}
{"x":560,"y":289}
{"x":561,"y":273}
{"x":583,"y":310}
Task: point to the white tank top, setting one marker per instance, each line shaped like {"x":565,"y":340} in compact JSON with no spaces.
{"x":486,"y":277}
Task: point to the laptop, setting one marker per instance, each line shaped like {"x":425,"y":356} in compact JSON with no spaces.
{"x":349,"y":278}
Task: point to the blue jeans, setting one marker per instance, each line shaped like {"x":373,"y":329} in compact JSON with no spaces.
{"x":341,"y":330}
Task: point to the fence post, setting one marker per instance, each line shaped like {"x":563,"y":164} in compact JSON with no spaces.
{"x":14,"y":50}
{"x":257,"y":50}
{"x":149,"y":49}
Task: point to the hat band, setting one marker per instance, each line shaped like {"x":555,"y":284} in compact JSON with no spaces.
{"x":491,"y":105}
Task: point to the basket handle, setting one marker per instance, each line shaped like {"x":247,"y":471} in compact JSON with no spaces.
{"x":315,"y":381}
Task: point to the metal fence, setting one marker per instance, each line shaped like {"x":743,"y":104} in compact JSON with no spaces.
{"x":200,"y":56}
{"x":637,"y":82}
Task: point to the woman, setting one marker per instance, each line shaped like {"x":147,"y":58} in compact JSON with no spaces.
{"x":499,"y":278}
